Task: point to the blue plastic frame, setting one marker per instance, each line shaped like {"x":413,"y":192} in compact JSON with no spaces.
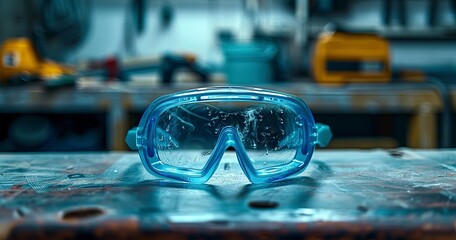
{"x":310,"y":134}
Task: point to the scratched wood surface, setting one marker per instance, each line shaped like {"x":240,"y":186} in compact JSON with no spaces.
{"x":373,"y":194}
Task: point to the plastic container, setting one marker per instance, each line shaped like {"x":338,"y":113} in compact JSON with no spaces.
{"x":249,"y":62}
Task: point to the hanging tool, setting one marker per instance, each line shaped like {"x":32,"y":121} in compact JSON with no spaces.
{"x":173,"y":62}
{"x":139,"y":13}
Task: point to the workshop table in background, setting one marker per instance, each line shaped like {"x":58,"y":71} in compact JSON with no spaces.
{"x":119,"y":101}
{"x":365,"y":194}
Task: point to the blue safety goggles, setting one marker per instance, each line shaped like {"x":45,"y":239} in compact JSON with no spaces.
{"x":184,"y":135}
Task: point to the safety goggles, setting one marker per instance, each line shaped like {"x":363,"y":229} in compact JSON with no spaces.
{"x":183,"y":136}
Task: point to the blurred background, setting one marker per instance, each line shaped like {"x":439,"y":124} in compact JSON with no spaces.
{"x":77,"y":74}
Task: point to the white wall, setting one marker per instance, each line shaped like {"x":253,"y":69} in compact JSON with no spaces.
{"x":193,"y":28}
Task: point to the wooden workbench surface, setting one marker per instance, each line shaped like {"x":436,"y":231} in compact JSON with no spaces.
{"x":356,"y":194}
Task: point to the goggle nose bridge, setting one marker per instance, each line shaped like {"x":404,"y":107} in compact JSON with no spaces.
{"x":229,"y":137}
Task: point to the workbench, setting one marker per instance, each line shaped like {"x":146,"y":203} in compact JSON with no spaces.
{"x":370,"y":194}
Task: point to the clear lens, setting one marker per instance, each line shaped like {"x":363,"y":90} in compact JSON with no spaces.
{"x":187,"y":134}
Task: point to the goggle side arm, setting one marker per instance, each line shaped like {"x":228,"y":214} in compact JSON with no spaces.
{"x":324,"y":134}
{"x":130,"y":139}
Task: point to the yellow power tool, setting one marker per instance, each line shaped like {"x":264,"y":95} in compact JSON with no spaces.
{"x":19,"y":60}
{"x":342,"y":57}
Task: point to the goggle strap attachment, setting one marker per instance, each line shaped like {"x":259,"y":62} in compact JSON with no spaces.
{"x":130,"y":139}
{"x":324,"y":134}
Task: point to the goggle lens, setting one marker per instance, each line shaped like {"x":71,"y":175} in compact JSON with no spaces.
{"x":186,"y":135}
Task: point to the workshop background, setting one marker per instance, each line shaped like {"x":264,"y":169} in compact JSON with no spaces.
{"x":77,"y":74}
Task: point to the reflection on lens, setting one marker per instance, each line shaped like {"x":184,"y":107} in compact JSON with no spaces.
{"x":186,"y":135}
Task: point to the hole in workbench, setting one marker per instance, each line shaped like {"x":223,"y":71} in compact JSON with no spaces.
{"x":219,"y":222}
{"x":396,"y":153}
{"x":81,"y":213}
{"x":260,"y":204}
{"x":21,"y":212}
{"x":362,"y":208}
{"x":227,"y":166}
{"x":76,"y":175}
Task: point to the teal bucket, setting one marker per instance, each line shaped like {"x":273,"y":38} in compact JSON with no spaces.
{"x":249,"y":62}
